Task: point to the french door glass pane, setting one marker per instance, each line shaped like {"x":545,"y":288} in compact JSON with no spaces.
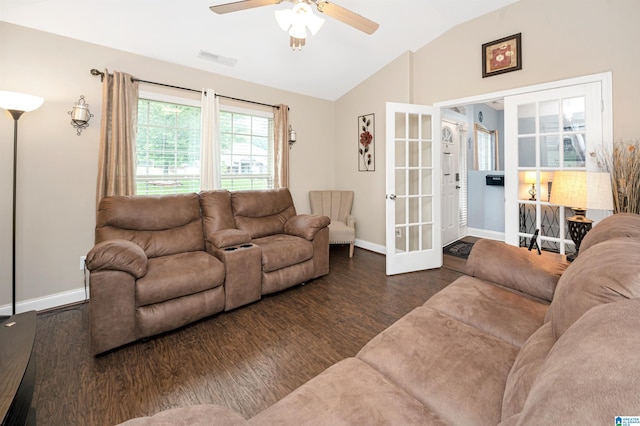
{"x":527,"y":151}
{"x":550,"y":151}
{"x":526,"y":119}
{"x":414,"y":210}
{"x":401,"y":153}
{"x":401,"y":126}
{"x":414,"y":153}
{"x":401,"y":182}
{"x":549,"y":117}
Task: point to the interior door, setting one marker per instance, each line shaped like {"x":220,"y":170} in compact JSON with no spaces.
{"x":547,"y":131}
{"x":413,"y":215}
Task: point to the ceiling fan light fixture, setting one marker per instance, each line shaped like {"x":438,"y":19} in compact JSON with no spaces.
{"x":296,"y":21}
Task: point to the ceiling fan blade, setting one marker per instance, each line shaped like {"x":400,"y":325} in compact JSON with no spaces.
{"x":348,"y":17}
{"x":241,"y":5}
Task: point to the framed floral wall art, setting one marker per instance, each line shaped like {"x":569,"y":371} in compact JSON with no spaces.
{"x":500,"y":56}
{"x":366,"y":143}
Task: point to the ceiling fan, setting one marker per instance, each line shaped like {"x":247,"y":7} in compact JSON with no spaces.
{"x":297,"y":20}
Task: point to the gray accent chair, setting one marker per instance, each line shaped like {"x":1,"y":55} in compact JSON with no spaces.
{"x":337,"y":206}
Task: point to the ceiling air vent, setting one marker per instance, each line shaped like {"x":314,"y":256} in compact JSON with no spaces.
{"x":230,"y":62}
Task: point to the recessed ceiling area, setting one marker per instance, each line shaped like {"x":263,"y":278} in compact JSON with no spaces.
{"x":250,"y":43}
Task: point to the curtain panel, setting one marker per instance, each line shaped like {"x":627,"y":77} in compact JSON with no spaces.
{"x":210,"y":146}
{"x":117,"y":154}
{"x":281,"y":148}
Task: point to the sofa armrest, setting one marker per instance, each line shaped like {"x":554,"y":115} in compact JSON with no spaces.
{"x":306,"y":225}
{"x":515,"y":267}
{"x":228,"y":237}
{"x":118,"y":255}
{"x":351,"y":221}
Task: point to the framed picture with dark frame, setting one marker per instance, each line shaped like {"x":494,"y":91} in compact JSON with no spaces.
{"x":503,"y":55}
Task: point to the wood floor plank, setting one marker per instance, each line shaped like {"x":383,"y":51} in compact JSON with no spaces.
{"x":246,"y":359}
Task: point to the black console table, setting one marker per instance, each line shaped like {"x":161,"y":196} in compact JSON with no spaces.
{"x":17,"y":368}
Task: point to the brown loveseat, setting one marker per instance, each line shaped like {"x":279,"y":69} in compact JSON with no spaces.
{"x":503,"y":345}
{"x":162,"y":262}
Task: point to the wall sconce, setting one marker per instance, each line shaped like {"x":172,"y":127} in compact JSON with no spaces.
{"x":80,"y":115}
{"x":292,"y":136}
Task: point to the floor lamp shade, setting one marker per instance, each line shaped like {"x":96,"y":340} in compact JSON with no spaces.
{"x":14,"y":101}
{"x":16,"y":104}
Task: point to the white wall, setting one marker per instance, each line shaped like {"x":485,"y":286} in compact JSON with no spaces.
{"x":57,"y":169}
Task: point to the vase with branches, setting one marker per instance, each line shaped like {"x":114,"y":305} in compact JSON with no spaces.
{"x":622,"y":161}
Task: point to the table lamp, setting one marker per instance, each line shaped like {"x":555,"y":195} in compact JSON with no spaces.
{"x":580,"y":190}
{"x":530,"y":177}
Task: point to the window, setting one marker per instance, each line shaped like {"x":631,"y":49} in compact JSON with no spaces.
{"x":168,"y":146}
{"x":246,"y":149}
{"x":486,"y":149}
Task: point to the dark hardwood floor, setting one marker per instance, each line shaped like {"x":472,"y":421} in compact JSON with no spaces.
{"x":246,"y":359}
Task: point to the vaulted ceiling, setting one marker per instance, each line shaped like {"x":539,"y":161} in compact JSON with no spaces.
{"x":249,"y":43}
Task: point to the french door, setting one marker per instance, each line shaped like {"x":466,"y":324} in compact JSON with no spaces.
{"x":547,"y":131}
{"x":413,"y":217}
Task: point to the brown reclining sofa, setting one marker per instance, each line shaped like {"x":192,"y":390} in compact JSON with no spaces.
{"x":518,"y":341}
{"x":160,"y":263}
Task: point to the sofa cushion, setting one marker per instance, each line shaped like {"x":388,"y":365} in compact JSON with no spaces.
{"x":178,"y":275}
{"x":445,"y":364}
{"x":607,"y":272}
{"x":591,"y":374}
{"x":614,"y":226}
{"x":525,"y":370}
{"x":161,"y":225}
{"x":347,"y":393}
{"x":262,"y":213}
{"x":282,"y":250}
{"x":498,"y":311}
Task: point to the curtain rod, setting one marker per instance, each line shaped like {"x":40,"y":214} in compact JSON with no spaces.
{"x":101,"y":74}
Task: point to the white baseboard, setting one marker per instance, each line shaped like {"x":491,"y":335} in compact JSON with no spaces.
{"x":483,"y":233}
{"x":371,"y":246}
{"x":47,"y":302}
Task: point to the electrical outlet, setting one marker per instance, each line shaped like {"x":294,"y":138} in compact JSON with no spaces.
{"x":399,"y":233}
{"x":82,"y":260}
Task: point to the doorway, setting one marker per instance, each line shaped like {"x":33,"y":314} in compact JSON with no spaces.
{"x":493,"y":203}
{"x":453,"y":138}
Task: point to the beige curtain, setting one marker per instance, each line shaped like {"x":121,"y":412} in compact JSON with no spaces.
{"x":281,"y":151}
{"x":117,"y":155}
{"x":210,"y":148}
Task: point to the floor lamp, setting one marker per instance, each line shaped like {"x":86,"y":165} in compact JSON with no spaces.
{"x":580,"y":191}
{"x":16,"y":104}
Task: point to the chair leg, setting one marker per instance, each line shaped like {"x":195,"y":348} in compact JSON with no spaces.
{"x":351,"y":249}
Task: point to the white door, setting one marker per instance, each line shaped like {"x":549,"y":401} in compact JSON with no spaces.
{"x":412,"y":189}
{"x":449,"y":137}
{"x":547,"y":131}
